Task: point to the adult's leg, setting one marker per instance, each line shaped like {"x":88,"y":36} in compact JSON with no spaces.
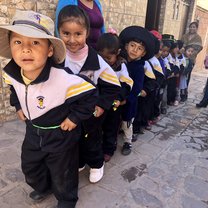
{"x":204,"y":101}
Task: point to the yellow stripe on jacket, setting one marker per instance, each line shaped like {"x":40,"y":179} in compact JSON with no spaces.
{"x":127,"y":81}
{"x":109,"y":78}
{"x":159,"y":69}
{"x":6,"y":79}
{"x":78,"y":89}
{"x":149,"y":73}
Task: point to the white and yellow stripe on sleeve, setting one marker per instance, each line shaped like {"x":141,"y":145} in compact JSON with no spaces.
{"x":109,"y":77}
{"x":149,"y":73}
{"x":6,"y":79}
{"x":78,"y":89}
{"x":159,"y":69}
{"x":127,"y":81}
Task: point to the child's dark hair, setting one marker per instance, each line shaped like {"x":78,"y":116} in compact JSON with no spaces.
{"x":166,"y":44}
{"x":73,"y":13}
{"x":173,"y":45}
{"x":180,"y":44}
{"x":138,"y":41}
{"x":108,"y":41}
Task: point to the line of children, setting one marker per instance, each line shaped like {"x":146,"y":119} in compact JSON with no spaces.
{"x":65,"y":91}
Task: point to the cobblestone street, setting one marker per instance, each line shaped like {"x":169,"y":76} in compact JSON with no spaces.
{"x":168,"y":167}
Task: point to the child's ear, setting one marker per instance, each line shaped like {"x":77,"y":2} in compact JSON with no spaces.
{"x":126,"y":46}
{"x":143,"y":54}
{"x":50,"y":51}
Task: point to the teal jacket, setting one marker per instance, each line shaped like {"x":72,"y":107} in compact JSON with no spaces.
{"x":62,"y":3}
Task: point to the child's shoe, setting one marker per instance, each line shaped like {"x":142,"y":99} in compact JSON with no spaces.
{"x":107,"y":157}
{"x":96,"y":174}
{"x":134,"y":137}
{"x":176,"y":103}
{"x":37,"y":196}
{"x":155,"y":120}
{"x":182,"y":100}
{"x":148,"y":126}
{"x":163,"y":110}
{"x":126,"y":150}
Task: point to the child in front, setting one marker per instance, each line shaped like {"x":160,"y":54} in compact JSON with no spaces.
{"x":74,"y":27}
{"x":108,"y":47}
{"x":50,"y":100}
{"x":137,"y":45}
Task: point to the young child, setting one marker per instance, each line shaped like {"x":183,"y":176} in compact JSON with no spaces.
{"x":50,"y":100}
{"x":74,"y":27}
{"x":158,"y":71}
{"x":108,"y":47}
{"x":166,"y":45}
{"x":172,"y":79}
{"x":137,"y":44}
{"x":145,"y":104}
{"x":184,"y":72}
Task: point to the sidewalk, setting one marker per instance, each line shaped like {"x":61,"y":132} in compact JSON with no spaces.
{"x":168,"y":167}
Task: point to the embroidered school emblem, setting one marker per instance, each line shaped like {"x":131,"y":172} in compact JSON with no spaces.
{"x":40,"y":102}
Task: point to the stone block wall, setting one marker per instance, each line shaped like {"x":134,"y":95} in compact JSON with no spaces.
{"x":173,"y":14}
{"x":121,"y":13}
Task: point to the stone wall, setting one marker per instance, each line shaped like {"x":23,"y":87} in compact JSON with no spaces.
{"x":121,"y":13}
{"x":173,"y":17}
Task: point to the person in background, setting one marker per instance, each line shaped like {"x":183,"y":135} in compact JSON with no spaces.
{"x":204,"y":102}
{"x":52,"y":102}
{"x":74,"y":27}
{"x":94,"y":10}
{"x":137,"y":45}
{"x":194,"y":39}
{"x":108,"y":47}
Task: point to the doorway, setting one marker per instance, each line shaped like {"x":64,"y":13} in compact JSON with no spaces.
{"x":153,"y":14}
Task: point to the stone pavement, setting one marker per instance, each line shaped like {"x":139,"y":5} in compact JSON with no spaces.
{"x":168,"y":167}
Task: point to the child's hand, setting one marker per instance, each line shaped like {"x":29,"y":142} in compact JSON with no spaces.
{"x":123,"y":102}
{"x":143,"y":93}
{"x":98,"y":111}
{"x":67,"y":125}
{"x":21,"y":115}
{"x":116,"y":103}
